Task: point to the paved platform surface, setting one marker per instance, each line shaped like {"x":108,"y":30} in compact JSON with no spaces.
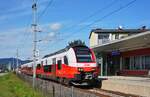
{"x":142,"y":81}
{"x":131,"y":85}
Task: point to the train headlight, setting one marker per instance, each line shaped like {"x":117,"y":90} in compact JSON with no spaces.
{"x":93,"y":69}
{"x":80,"y":69}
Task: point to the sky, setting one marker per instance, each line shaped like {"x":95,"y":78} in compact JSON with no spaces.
{"x":62,"y":21}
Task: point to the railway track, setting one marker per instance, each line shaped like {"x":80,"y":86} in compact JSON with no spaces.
{"x":107,"y":93}
{"x":101,"y":92}
{"x":95,"y":91}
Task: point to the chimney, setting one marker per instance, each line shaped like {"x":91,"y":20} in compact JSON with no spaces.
{"x":120,"y":28}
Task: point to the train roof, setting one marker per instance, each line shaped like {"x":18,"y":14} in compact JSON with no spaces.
{"x":63,"y":50}
{"x":29,"y":64}
{"x":58,"y":52}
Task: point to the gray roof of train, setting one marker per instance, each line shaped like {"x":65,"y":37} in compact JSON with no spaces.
{"x":60,"y":51}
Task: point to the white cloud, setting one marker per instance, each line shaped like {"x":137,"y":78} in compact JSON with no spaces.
{"x":50,"y":37}
{"x":51,"y":34}
{"x":22,"y":38}
{"x":15,"y":38}
{"x":55,"y":26}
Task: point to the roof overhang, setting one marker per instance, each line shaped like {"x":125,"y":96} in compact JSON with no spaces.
{"x":117,"y":31}
{"x":138,"y":41}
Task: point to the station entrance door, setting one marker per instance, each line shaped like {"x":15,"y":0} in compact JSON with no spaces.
{"x":113,"y":65}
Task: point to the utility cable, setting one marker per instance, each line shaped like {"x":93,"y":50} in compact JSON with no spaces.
{"x":44,"y":11}
{"x":93,"y":14}
{"x":105,"y":16}
{"x":98,"y":20}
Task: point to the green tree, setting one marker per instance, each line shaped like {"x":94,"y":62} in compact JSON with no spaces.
{"x":76,"y":43}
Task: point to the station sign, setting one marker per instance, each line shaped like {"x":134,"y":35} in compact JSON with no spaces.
{"x":115,"y":53}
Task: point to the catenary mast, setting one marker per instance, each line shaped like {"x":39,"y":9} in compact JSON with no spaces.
{"x":34,"y":30}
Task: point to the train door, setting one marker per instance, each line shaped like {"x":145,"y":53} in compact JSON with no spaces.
{"x":59,"y":62}
{"x":54,"y":67}
{"x":59,"y":67}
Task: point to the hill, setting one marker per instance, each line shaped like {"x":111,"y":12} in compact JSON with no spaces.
{"x":13,"y":61}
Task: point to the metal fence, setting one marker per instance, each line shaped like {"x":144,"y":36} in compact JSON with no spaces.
{"x":52,"y":89}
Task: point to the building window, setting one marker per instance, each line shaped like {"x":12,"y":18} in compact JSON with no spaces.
{"x":147,"y":62}
{"x":137,"y":62}
{"x":103,"y":38}
{"x":132,"y":63}
{"x":127,"y":63}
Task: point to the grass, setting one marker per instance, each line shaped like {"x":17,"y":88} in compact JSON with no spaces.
{"x":11,"y":86}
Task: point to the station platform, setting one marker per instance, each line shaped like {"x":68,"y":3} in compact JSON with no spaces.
{"x":130,"y":85}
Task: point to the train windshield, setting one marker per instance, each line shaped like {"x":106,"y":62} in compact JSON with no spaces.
{"x":83,"y":54}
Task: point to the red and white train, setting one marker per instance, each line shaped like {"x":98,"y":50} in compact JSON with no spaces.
{"x":75,"y":65}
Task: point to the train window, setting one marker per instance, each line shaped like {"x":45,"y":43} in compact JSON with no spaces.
{"x":59,"y":64}
{"x":54,"y":60}
{"x":46,"y":62}
{"x":50,"y":68}
{"x":41,"y":62}
{"x":47,"y":68}
{"x":83,"y":54}
{"x":38,"y":66}
{"x":65,"y":60}
{"x":84,"y":58}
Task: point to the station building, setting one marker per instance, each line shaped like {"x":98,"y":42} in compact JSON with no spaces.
{"x":122,"y":51}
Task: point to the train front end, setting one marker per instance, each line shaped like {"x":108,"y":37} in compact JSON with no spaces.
{"x":86,"y":68}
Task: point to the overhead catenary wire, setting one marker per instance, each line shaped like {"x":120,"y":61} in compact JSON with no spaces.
{"x":42,"y":14}
{"x":26,"y":35}
{"x":84,"y":19}
{"x":105,"y":16}
{"x":28,"y":25}
{"x":45,"y":10}
{"x":93,"y":14}
{"x":98,"y":20}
